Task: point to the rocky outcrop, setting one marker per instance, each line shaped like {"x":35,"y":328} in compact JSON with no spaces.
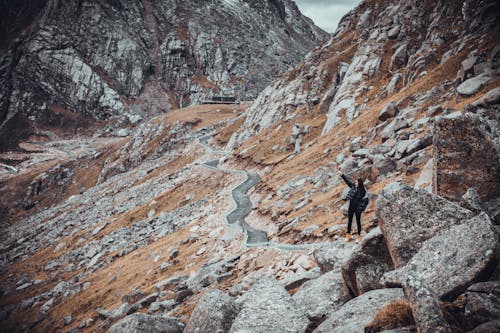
{"x":98,"y":58}
{"x":322,"y":296}
{"x":364,"y":269}
{"x":214,"y":313}
{"x":397,"y":41}
{"x":408,"y":217}
{"x":139,"y":322}
{"x":357,"y":313}
{"x":452,"y":260}
{"x":466,"y":155}
{"x":267,"y":307}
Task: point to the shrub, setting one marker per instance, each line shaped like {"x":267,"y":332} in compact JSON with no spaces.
{"x":394,"y":315}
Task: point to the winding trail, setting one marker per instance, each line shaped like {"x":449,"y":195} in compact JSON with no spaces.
{"x":242,"y":206}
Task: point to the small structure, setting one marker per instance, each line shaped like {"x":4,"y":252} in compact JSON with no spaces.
{"x":221,"y":100}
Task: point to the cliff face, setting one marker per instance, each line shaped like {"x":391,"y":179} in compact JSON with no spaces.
{"x":384,"y":51}
{"x":108,"y":58}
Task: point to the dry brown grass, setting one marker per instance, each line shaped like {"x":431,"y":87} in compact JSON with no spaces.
{"x":225,"y":133}
{"x":394,"y":315}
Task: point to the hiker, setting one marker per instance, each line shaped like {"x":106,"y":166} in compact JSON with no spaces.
{"x":357,"y":204}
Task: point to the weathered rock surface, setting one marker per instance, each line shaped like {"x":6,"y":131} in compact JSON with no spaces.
{"x":452,"y":260}
{"x":214,"y":313}
{"x":364,"y":269}
{"x":408,"y":217}
{"x":492,"y":326}
{"x":332,"y":258}
{"x":425,"y":305}
{"x":466,"y":156}
{"x":338,"y":73}
{"x":481,"y":303}
{"x":323,"y":295}
{"x":89,"y":58}
{"x":138,"y":323}
{"x":358,"y":312}
{"x":267,"y":307}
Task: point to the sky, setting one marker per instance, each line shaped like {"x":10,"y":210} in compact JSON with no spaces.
{"x":326,"y":13}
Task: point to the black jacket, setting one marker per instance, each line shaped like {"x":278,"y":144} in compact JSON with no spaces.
{"x":357,"y":193}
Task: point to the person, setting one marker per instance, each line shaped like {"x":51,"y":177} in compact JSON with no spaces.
{"x":357,"y":204}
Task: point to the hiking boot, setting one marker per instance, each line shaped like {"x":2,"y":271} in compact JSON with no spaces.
{"x":358,"y":238}
{"x":347,"y":237}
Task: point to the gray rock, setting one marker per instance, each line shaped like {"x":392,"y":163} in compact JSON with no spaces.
{"x":408,"y":217}
{"x":393,"y":33}
{"x":389,"y":111}
{"x":471,"y":201}
{"x":214,"y":313}
{"x":490,"y":327}
{"x":481,"y":303}
{"x":138,"y":323}
{"x":123,"y":132}
{"x":319,"y":297}
{"x":116,"y":313}
{"x":452,"y":260}
{"x":47,"y":306}
{"x":171,"y":282}
{"x":490,"y":98}
{"x":394,"y":126}
{"x":365,"y":267}
{"x":425,"y":305}
{"x":67,"y":320}
{"x":399,"y":57}
{"x":333,"y":257}
{"x":466,"y":155}
{"x":267,"y":307}
{"x":294,"y":280}
{"x":358,"y":312}
{"x":181,"y":295}
{"x":384,"y":166}
{"x":472,"y":85}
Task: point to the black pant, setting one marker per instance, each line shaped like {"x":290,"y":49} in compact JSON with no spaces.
{"x":354,"y":209}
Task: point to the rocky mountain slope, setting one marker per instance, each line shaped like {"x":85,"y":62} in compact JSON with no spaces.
{"x":231,"y":218}
{"x":79,"y":61}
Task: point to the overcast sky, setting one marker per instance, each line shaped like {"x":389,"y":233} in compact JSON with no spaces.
{"x":326,"y":13}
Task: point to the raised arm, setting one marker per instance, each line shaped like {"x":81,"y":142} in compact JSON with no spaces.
{"x":347,"y":181}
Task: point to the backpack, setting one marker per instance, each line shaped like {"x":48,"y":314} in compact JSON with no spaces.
{"x":363,"y":204}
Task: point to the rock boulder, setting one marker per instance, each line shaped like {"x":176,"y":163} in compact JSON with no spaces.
{"x":214,"y":313}
{"x":267,"y":307}
{"x":317,"y":298}
{"x":465,"y":156}
{"x":138,"y":323}
{"x":452,"y":260}
{"x":359,"y":312}
{"x":363,"y":270}
{"x":408,"y":217}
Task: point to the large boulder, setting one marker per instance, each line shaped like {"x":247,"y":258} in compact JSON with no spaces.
{"x":457,"y":257}
{"x":425,"y":305}
{"x":465,"y":156}
{"x":359,"y":312}
{"x":267,"y":307}
{"x":139,"y":322}
{"x":321,"y":296}
{"x":481,"y":303}
{"x":363,"y":270}
{"x":332,"y":257}
{"x":489,"y":327}
{"x":408,"y":217}
{"x":214,"y":313}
